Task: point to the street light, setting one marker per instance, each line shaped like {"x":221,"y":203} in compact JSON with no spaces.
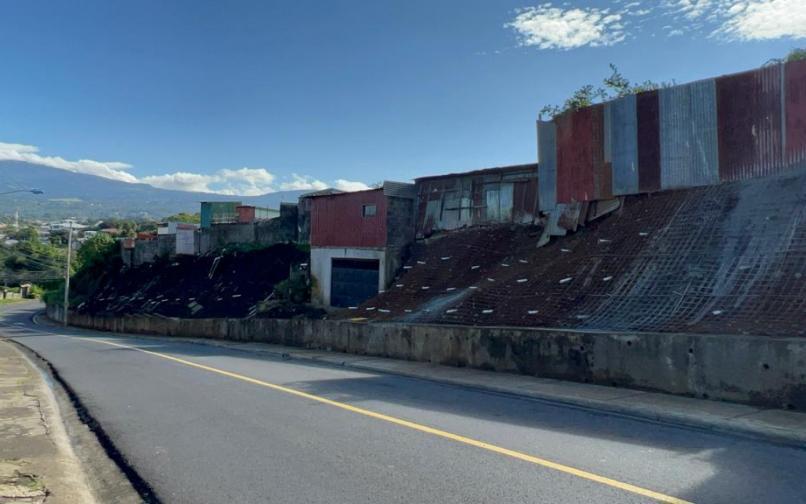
{"x":32,"y":191}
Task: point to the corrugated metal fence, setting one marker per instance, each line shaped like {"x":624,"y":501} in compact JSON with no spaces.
{"x":730,"y":128}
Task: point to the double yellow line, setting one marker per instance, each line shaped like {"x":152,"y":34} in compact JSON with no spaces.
{"x":411,"y":425}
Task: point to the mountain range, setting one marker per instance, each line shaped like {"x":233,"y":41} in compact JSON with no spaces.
{"x":76,"y":195}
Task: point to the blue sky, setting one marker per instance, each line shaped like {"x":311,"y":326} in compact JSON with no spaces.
{"x":256,"y":96}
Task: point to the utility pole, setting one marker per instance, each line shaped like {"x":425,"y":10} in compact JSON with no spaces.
{"x":67,"y":274}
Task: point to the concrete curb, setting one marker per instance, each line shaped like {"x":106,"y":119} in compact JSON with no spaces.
{"x":771,"y":425}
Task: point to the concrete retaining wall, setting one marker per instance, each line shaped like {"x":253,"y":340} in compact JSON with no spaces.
{"x":757,"y":370}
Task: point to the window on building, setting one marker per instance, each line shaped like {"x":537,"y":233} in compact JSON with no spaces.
{"x":368,"y":210}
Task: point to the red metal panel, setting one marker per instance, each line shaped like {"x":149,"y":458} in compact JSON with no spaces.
{"x":749,"y":123}
{"x":337,"y":220}
{"x":575,"y":174}
{"x":246,"y":214}
{"x":796,"y":111}
{"x":647,"y":105}
{"x":602,"y":172}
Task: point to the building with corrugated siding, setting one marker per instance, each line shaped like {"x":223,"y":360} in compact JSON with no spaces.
{"x":488,"y":196}
{"x":357,"y":240}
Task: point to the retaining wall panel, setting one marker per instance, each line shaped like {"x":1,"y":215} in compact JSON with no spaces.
{"x":795,"y":103}
{"x":688,"y":135}
{"x":547,"y":165}
{"x":648,"y":125}
{"x":750,"y":120}
{"x":575,"y":155}
{"x":621,"y":144}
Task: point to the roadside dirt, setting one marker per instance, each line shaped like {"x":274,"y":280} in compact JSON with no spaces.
{"x":37,"y":463}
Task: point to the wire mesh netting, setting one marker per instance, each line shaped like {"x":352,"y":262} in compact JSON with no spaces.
{"x":728,"y":259}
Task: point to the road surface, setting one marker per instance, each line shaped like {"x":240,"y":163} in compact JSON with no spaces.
{"x":208,"y":424}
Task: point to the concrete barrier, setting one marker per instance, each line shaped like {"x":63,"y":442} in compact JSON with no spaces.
{"x":763,"y":371}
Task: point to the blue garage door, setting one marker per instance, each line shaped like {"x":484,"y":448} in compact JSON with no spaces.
{"x":353,"y":281}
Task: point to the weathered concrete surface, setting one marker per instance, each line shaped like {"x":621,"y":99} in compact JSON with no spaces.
{"x":763,"y":371}
{"x":37,"y":463}
{"x":788,"y":427}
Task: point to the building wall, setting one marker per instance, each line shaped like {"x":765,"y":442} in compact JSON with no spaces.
{"x":321,"y":268}
{"x":495,"y":195}
{"x":304,"y":220}
{"x":260,"y":233}
{"x":146,"y":251}
{"x":337,"y":220}
{"x":185,"y":241}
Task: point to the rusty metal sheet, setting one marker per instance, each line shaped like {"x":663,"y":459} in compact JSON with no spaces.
{"x":688,"y":135}
{"x":525,"y":202}
{"x":647,"y":111}
{"x":795,"y":103}
{"x":750,"y":121}
{"x":576,"y":180}
{"x":602,"y":171}
{"x":339,"y":220}
{"x":621,"y":144}
{"x":547,"y":164}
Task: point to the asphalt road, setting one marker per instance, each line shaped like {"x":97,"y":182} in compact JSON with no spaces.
{"x":206,"y":424}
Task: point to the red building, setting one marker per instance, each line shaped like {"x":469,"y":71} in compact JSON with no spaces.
{"x":357,"y":240}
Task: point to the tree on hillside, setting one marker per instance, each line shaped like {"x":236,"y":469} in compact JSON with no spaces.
{"x":95,"y":250}
{"x":189,"y":218}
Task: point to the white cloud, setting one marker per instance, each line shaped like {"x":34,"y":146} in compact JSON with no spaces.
{"x":551,"y":27}
{"x":242,"y":181}
{"x":693,"y":9}
{"x":349,"y":185}
{"x":764,"y":20}
{"x":302,"y":183}
{"x":743,"y":19}
{"x":548,"y":27}
{"x":29,"y":153}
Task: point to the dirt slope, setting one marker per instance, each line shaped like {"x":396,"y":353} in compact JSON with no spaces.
{"x":229,"y":285}
{"x":719,"y":259}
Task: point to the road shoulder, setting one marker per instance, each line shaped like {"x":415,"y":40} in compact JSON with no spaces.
{"x":48,"y":453}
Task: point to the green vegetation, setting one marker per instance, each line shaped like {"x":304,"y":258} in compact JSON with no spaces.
{"x":97,"y":249}
{"x":613,"y":86}
{"x":95,"y":260}
{"x":10,"y":300}
{"x":190,"y":218}
{"x":30,"y":259}
{"x":796,"y":54}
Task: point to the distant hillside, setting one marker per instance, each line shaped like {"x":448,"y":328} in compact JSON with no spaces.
{"x":68,"y":194}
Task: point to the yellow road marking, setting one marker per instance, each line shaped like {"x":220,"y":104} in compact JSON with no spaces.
{"x":413,"y":425}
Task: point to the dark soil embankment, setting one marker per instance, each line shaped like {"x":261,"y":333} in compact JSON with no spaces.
{"x":727,"y":259}
{"x":227,"y":285}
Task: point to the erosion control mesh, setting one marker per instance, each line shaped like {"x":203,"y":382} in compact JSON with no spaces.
{"x":227,"y":285}
{"x":719,"y":259}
